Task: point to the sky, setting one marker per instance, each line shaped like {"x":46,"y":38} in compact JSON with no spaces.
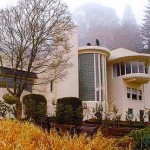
{"x":137,"y":6}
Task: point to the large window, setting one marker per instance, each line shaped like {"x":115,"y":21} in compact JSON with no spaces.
{"x":129,"y":67}
{"x":134,"y":94}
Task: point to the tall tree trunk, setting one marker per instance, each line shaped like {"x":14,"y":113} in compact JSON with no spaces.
{"x":18,"y":113}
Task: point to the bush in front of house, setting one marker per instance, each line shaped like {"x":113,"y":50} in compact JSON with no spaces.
{"x":141,"y":138}
{"x":35,"y":106}
{"x":69,"y":110}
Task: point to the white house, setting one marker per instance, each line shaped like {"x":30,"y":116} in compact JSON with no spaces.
{"x":100,"y":76}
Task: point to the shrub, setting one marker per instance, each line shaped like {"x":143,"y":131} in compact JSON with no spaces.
{"x":141,"y":138}
{"x":69,"y":110}
{"x":35,"y":106}
{"x":10,"y":99}
{"x":19,"y":136}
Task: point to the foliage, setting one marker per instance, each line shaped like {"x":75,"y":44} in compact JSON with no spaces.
{"x":98,"y":112}
{"x":129,"y":118}
{"x":69,"y":110}
{"x":16,"y":135}
{"x":4,"y":109}
{"x":141,"y":138}
{"x":10,"y":99}
{"x":116,"y":116}
{"x":35,"y":106}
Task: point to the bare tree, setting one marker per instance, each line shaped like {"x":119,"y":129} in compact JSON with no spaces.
{"x":34,"y":38}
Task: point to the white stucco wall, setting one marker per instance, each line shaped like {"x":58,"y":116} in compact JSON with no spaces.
{"x":69,"y":86}
{"x":117,"y":95}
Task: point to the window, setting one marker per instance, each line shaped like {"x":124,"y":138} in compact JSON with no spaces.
{"x":116,"y":70}
{"x":128,"y":68}
{"x":101,"y":70}
{"x":51,"y":86}
{"x":97,"y":70}
{"x":128,"y":93}
{"x":141,"y":67}
{"x":10,"y":83}
{"x":142,"y":115}
{"x":134,"y":67}
{"x":97,"y":95}
{"x":122,"y":69}
{"x":134,"y":94}
{"x":140,"y":94}
{"x":130,"y":111}
{"x":102,"y":95}
{"x":146,"y":68}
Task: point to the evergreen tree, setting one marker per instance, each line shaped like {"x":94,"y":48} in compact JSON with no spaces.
{"x":96,"y":22}
{"x":130,"y":33}
{"x":145,"y":28}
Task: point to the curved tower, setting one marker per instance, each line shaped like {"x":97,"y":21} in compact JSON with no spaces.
{"x":92,"y":74}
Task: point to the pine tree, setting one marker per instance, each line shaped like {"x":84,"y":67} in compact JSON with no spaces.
{"x":129,"y":31}
{"x":145,"y":28}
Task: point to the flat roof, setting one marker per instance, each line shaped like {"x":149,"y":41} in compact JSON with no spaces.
{"x":21,"y":73}
{"x":94,"y":49}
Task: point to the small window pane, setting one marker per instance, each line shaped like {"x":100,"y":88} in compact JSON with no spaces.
{"x":97,"y":95}
{"x":146,"y":68}
{"x":116,"y":70}
{"x":97,"y":70}
{"x":128,"y":68}
{"x":140,"y":94}
{"x":134,"y":94}
{"x":141,"y":67}
{"x":102,"y":95}
{"x":128,"y":93}
{"x":134,"y":67}
{"x":122,"y":69}
{"x":130,"y":111}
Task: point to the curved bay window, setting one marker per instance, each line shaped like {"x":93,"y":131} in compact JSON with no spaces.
{"x":123,"y":68}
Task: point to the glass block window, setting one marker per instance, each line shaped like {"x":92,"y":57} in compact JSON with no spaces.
{"x":86,"y":77}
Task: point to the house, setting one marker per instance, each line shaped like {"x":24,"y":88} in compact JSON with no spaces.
{"x":99,"y":76}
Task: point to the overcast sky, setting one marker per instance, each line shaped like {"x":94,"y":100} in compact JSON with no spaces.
{"x":138,"y":6}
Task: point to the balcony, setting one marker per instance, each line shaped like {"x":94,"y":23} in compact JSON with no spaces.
{"x":140,"y":78}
